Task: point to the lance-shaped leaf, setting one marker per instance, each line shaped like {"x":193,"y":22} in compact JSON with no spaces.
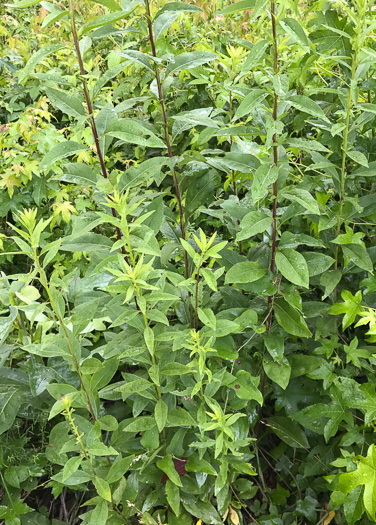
{"x":250,"y":102}
{"x":290,"y":319}
{"x":134,"y":132}
{"x":61,"y":151}
{"x":67,"y":103}
{"x":35,"y":59}
{"x":307,"y":105}
{"x":293,"y":266}
{"x":189,"y":61}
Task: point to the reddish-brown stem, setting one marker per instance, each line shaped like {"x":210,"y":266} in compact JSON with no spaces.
{"x":233,"y":172}
{"x":165,"y":128}
{"x":92,"y":120}
{"x":275,"y":157}
{"x":90,"y":111}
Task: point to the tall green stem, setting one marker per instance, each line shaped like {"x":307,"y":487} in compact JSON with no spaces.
{"x":44,"y":281}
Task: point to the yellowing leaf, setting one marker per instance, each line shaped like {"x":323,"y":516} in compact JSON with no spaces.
{"x":329,"y":517}
{"x":233,"y":516}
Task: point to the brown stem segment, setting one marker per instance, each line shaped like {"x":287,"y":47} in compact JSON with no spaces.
{"x":90,"y":111}
{"x":165,"y":128}
{"x":275,"y":156}
{"x":92,"y":121}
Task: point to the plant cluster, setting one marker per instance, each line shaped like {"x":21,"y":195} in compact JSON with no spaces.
{"x":187,"y":276}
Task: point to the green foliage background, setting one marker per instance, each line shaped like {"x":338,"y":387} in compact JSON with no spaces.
{"x":187,"y":278}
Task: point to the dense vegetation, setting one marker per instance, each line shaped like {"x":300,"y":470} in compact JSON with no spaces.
{"x":188,"y":240}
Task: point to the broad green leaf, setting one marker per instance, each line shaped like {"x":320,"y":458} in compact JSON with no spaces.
{"x":167,"y":466}
{"x":109,"y":75}
{"x":358,"y":255}
{"x":118,"y":469}
{"x":264,"y":176}
{"x":296,"y":31}
{"x":178,"y":417}
{"x":274,"y":344}
{"x":173,"y":496}
{"x":67,"y":103}
{"x":78,"y":173}
{"x":253,"y":223}
{"x":103,"y":20}
{"x":290,"y":319}
{"x":168,"y":14}
{"x":54,"y":17}
{"x":87,"y":243}
{"x":237,"y":6}
{"x":103,"y":488}
{"x":71,"y":466}
{"x":244,"y":272}
{"x":318,"y":263}
{"x":303,"y":197}
{"x":329,"y":281}
{"x":196,"y":464}
{"x":133,"y":132}
{"x":250,"y":102}
{"x":147,"y":170}
{"x":149,"y":339}
{"x":36,"y":58}
{"x":99,"y":515}
{"x":255,"y":55}
{"x":138,"y":57}
{"x":61,"y":151}
{"x":293,"y":266}
{"x":189,"y":61}
{"x":245,"y":387}
{"x":160,"y":414}
{"x":140,"y":424}
{"x":305,"y":104}
{"x":176,"y":369}
{"x":289,"y":432}
{"x":358,"y":157}
{"x":277,"y":371}
{"x":111,"y":4}
{"x":306,"y":144}
{"x":24,"y":3}
{"x":199,"y":190}
{"x":350,"y":307}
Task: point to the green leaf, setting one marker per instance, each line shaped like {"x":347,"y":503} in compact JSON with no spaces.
{"x":118,"y":469}
{"x":246,"y":386}
{"x":149,"y":339}
{"x":67,"y":103}
{"x":173,"y":496}
{"x":160,"y":414}
{"x":358,"y":157}
{"x":176,"y":369}
{"x":141,"y":424}
{"x":253,"y":223}
{"x":146,"y":171}
{"x":87,"y":243}
{"x":133,"y":132}
{"x":71,"y":466}
{"x":112,"y":5}
{"x":350,"y":307}
{"x":178,"y":417}
{"x":199,"y":190}
{"x":290,"y":319}
{"x":358,"y":255}
{"x":293,"y":266}
{"x":99,"y":515}
{"x":103,"y":20}
{"x":296,"y":31}
{"x":277,"y":371}
{"x":196,"y":464}
{"x":250,"y":102}
{"x":318,"y":263}
{"x":244,"y":272}
{"x":168,"y":14}
{"x":264,"y":176}
{"x":329,"y":281}
{"x":140,"y":58}
{"x":303,"y":197}
{"x":305,"y":104}
{"x":37,"y":57}
{"x":189,"y":61}
{"x":289,"y":432}
{"x":24,"y":3}
{"x":78,"y":173}
{"x":103,"y":488}
{"x":167,"y":466}
{"x":237,"y":6}
{"x":256,"y":54}
{"x":61,"y":151}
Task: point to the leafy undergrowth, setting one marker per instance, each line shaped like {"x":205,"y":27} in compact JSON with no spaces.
{"x":187,"y":291}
